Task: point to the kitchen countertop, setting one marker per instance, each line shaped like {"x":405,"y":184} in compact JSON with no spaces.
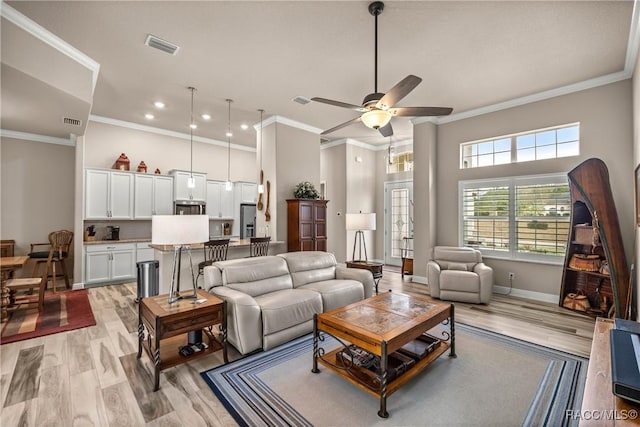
{"x":235,"y":243}
{"x":109,"y":242}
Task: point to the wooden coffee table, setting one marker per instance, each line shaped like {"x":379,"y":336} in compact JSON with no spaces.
{"x":167,"y":327}
{"x":381,"y":325}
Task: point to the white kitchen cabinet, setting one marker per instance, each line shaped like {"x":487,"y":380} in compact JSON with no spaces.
{"x":181,"y":187}
{"x":106,"y":263}
{"x":219,"y":201}
{"x":247,"y":192}
{"x":153,"y":196}
{"x":108,"y":194}
{"x":144,"y":252}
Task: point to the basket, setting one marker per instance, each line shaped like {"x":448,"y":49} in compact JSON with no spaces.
{"x":584,"y":262}
{"x":577,"y":302}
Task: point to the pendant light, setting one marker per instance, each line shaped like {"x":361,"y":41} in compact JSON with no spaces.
{"x":228,"y":185}
{"x":191,"y":183}
{"x":261,"y":186}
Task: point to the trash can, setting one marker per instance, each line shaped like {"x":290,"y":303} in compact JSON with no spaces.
{"x":148,"y":279}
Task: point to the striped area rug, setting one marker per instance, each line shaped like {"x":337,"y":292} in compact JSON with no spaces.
{"x":63,"y":311}
{"x":495,"y":380}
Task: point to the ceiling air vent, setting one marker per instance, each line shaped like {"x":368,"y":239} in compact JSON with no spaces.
{"x":72,"y":122}
{"x":301,"y":100}
{"x":163,"y":45}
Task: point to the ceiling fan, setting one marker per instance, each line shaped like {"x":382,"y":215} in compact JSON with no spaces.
{"x":378,"y":108}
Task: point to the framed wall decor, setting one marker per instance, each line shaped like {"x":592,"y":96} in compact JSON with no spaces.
{"x":637,"y":190}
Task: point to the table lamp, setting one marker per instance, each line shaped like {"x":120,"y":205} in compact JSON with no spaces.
{"x":360,"y":222}
{"x":179,"y":231}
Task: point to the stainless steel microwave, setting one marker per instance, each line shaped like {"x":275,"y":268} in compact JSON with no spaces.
{"x":189,"y":207}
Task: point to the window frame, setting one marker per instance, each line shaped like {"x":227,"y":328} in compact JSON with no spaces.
{"x":513,"y":138}
{"x":512,"y":254}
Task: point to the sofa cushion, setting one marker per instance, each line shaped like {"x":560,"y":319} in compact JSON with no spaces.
{"x":286,"y":308}
{"x":337,"y":293}
{"x":310,"y":266}
{"x":463,"y":281}
{"x":255,"y":276}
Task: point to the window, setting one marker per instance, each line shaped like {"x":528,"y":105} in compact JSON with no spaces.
{"x":550,"y":143}
{"x":519,"y":218}
{"x":402,"y":162}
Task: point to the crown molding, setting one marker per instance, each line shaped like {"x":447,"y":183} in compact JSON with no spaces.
{"x":4,"y":133}
{"x":39,"y":32}
{"x":633,"y":46}
{"x":356,"y":143}
{"x":288,"y":122}
{"x":166,"y":132}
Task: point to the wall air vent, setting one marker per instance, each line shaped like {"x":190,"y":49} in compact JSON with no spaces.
{"x":163,"y":45}
{"x":301,"y":100}
{"x":72,"y":122}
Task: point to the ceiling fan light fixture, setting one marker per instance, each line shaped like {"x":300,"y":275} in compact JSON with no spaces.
{"x":375,"y":119}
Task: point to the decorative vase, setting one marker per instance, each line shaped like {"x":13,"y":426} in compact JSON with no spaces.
{"x":122,"y":163}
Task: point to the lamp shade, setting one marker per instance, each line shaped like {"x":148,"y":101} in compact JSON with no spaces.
{"x":361,"y":221}
{"x":375,"y":119}
{"x":179,"y":229}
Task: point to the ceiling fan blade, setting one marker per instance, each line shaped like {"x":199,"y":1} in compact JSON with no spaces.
{"x":399,"y":91}
{"x":420,"y":111}
{"x":386,"y":130}
{"x":339,"y":104}
{"x":340,"y":126}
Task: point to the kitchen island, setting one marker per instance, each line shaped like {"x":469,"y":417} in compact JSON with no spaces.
{"x":164,"y":254}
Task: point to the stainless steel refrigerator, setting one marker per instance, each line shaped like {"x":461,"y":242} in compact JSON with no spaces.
{"x":247,"y":220}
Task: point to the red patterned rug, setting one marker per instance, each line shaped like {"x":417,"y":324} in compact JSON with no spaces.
{"x":63,"y":311}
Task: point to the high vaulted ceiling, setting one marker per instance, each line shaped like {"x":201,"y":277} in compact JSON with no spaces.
{"x":263,"y":54}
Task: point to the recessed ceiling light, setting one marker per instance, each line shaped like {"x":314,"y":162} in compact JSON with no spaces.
{"x":149,"y":116}
{"x":206,"y":116}
{"x":193,"y":126}
{"x":244,"y":126}
{"x":229,"y":134}
{"x":159,"y":104}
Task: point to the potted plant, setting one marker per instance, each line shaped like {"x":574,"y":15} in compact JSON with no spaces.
{"x":305,"y":190}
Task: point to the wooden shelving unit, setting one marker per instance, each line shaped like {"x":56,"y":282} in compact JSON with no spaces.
{"x":592,"y":205}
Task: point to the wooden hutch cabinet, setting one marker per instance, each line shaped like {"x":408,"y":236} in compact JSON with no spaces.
{"x":306,"y":225}
{"x":595,"y":233}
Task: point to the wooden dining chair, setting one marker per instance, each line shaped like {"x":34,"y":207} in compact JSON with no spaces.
{"x":259,"y":246}
{"x":60,"y":243}
{"x":28,"y":292}
{"x":214,"y":250}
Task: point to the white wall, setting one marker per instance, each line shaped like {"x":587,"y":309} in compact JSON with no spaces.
{"x":605,"y":116}
{"x":361,"y":193}
{"x":333,"y":171}
{"x":105,"y":142}
{"x":636,"y":161}
{"x":37,"y":181}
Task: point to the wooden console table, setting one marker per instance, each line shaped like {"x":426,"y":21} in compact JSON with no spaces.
{"x":167,"y":326}
{"x":374,"y":267}
{"x":600,"y":407}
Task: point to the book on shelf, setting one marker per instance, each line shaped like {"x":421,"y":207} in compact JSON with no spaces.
{"x":420,"y":347}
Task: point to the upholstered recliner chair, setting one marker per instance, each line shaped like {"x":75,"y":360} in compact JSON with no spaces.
{"x":458,"y":274}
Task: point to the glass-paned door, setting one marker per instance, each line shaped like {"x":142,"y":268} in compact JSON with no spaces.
{"x":398,"y":219}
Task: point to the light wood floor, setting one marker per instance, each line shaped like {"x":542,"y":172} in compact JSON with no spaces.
{"x":91,"y":377}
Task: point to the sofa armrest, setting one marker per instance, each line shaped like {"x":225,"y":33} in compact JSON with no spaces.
{"x":433,"y":278}
{"x":212,"y":277}
{"x":244,"y":320}
{"x":363,"y":276}
{"x":486,"y":281}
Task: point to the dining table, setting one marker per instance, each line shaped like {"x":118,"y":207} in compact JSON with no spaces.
{"x":7,"y":265}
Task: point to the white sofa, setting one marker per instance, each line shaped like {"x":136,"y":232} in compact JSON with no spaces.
{"x":272,"y":299}
{"x":458,"y":274}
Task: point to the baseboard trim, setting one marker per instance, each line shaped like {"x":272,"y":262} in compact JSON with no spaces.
{"x":77,"y":286}
{"x":420,"y":279}
{"x":522,"y":293}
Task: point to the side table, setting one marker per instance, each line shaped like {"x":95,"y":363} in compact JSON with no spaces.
{"x":374,"y":267}
{"x":167,"y":327}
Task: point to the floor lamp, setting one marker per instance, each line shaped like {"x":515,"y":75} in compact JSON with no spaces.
{"x":360,"y":222}
{"x":179,"y":231}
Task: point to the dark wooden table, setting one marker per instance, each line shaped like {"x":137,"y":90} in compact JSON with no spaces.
{"x":168,"y":325}
{"x":7,"y":265}
{"x":374,"y":267}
